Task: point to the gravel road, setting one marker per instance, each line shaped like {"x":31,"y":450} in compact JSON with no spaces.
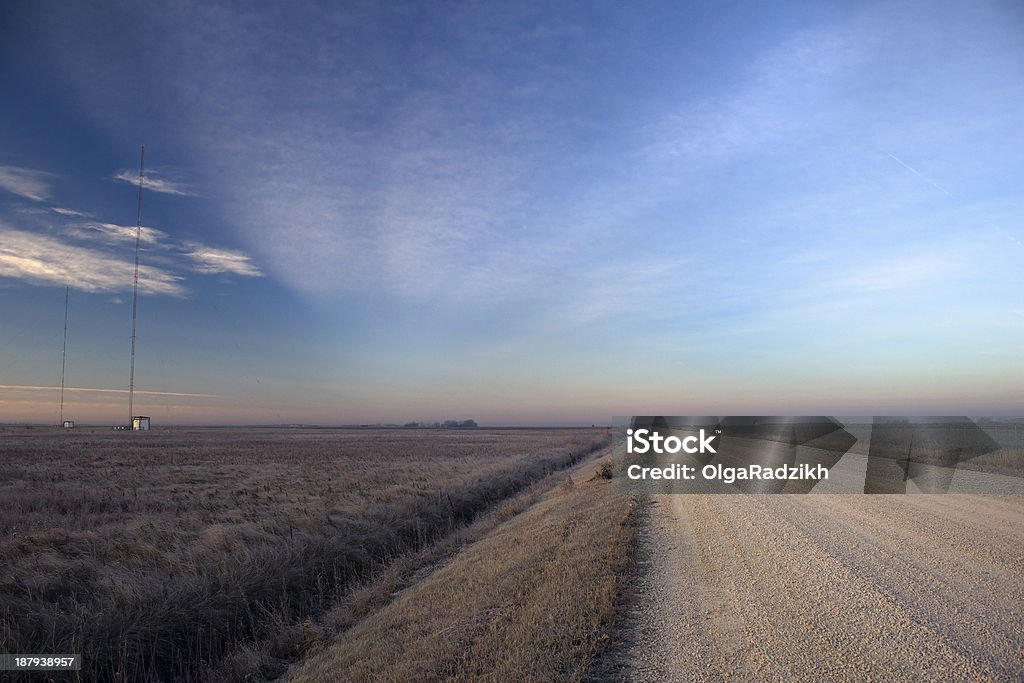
{"x":828,"y":587}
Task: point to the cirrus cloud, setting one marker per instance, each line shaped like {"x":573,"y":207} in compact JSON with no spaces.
{"x":152,"y":181}
{"x":210,"y":260}
{"x":69,"y":213}
{"x":25,"y":182}
{"x":117,"y":233}
{"x":45,"y":260}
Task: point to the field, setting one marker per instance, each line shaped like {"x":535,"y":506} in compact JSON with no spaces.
{"x":169,"y":555}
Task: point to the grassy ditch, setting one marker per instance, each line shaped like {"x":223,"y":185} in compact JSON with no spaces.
{"x":533,"y":600}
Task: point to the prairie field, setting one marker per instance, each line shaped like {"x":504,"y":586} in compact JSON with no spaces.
{"x":157,"y":555}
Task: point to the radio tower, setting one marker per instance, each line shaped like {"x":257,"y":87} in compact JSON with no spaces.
{"x":135,"y":289}
{"x":64,"y":354}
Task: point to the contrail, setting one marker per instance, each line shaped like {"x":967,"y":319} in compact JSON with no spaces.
{"x":919,"y":174}
{"x":105,"y":391}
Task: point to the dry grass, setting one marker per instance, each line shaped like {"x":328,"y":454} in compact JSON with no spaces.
{"x":533,"y":601}
{"x":1009,"y":459}
{"x":155,"y":555}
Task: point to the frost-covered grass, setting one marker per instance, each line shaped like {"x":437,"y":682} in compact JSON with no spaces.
{"x":155,"y":554}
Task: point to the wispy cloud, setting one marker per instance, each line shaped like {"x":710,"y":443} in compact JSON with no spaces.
{"x":69,"y":213}
{"x":96,"y":390}
{"x":25,"y":182}
{"x":433,"y":176}
{"x":154,"y":182}
{"x":46,"y":259}
{"x":431,"y":173}
{"x":209,"y":260}
{"x":116,"y":233}
{"x":198,"y":257}
{"x":42,"y":259}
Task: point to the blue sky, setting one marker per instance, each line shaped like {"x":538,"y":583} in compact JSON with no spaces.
{"x":516,"y":212}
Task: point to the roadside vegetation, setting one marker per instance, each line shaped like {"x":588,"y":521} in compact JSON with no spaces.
{"x":157,"y":555}
{"x":534,"y":600}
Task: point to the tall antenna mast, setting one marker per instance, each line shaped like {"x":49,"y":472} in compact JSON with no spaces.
{"x":64,"y":354}
{"x":135,"y":290}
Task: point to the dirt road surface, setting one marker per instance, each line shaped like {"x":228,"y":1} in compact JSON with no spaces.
{"x":829,"y":587}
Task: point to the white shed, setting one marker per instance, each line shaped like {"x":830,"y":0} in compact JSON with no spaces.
{"x":140,"y":423}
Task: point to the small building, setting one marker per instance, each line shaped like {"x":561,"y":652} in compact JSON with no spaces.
{"x":140,"y":423}
{"x":69,"y":424}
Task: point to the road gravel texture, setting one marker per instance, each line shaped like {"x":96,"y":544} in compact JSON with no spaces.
{"x":829,"y":587}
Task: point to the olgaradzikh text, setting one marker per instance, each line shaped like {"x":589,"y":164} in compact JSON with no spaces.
{"x":728,"y":474}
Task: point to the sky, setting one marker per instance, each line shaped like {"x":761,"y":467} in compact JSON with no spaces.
{"x":520,"y":213}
